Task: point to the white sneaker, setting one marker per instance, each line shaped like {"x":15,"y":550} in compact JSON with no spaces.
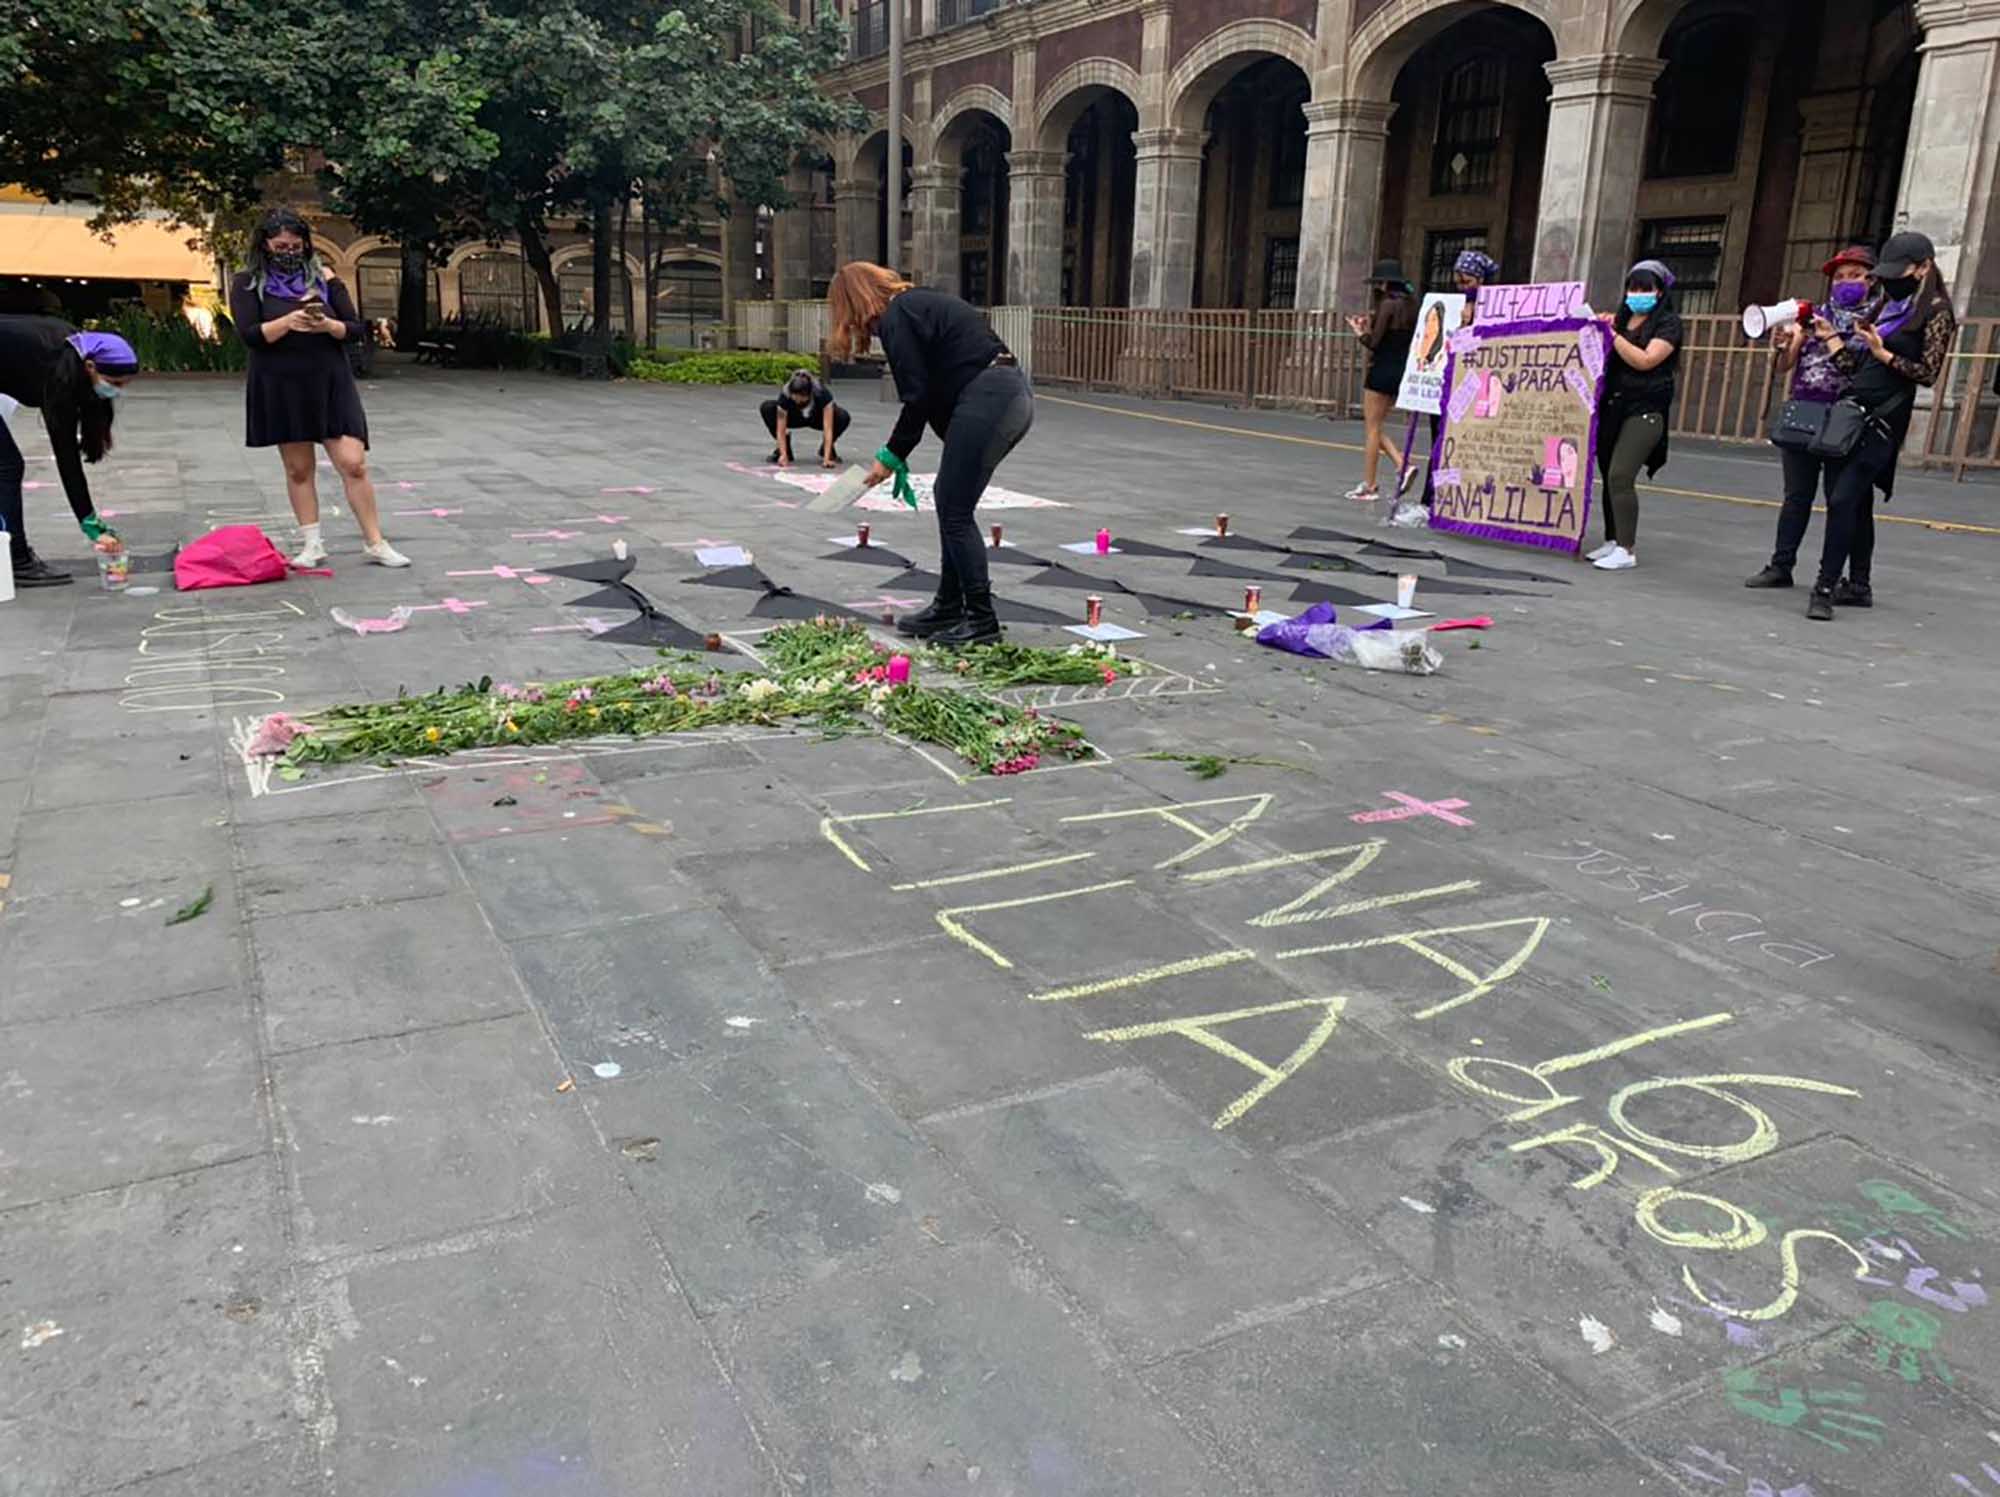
{"x":1404,"y":481}
{"x":385,"y":555}
{"x":1617,"y":559}
{"x":1363,"y":493}
{"x":1601,"y":552}
{"x":311,"y":554}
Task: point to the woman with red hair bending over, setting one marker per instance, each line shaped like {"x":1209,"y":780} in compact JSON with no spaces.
{"x":955,"y":376}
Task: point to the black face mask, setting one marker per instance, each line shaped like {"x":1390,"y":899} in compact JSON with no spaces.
{"x":286,"y":264}
{"x":1900,"y":286}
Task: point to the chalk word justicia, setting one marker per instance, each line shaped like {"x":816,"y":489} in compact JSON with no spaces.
{"x":195,"y":660}
{"x":1616,"y":871}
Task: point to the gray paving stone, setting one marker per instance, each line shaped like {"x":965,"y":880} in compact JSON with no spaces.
{"x":363,"y":858}
{"x":176,"y":839}
{"x":71,"y":953}
{"x":278,"y":1468}
{"x":723,"y":811}
{"x":939,"y":1027}
{"x":349,"y":974}
{"x":397,"y":1140}
{"x":158,"y":1317}
{"x":774,"y":1169}
{"x":649,"y":992}
{"x":911,"y":1377}
{"x":1148,"y":1216}
{"x":538,"y":883}
{"x":761,"y":892}
{"x":118,"y":1095}
{"x":480,"y":1367}
{"x":1297,"y":1406}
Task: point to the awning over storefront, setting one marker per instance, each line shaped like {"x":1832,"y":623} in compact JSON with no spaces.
{"x":39,"y":239}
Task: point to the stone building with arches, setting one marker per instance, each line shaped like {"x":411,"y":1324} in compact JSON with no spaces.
{"x":1213,"y":153}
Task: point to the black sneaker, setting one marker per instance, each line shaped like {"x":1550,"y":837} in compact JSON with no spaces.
{"x":775,"y":455}
{"x":1820,"y":605}
{"x":1853,"y":594}
{"x":1770,"y":577}
{"x":34,"y":572}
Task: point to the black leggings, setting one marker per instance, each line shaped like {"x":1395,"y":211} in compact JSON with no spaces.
{"x":1802,"y":483}
{"x":13,"y":512}
{"x":769,"y":411}
{"x":992,"y":415}
{"x":1850,"y":512}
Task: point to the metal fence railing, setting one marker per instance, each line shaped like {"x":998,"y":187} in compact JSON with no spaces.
{"x":1729,"y":385}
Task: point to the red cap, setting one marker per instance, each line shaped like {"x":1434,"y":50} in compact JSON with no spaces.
{"x":1854,"y":254}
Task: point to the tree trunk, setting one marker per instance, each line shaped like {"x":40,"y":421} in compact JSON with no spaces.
{"x":600,"y":266}
{"x":625,"y":281}
{"x":649,"y":279}
{"x":536,"y":247}
{"x":413,"y":311}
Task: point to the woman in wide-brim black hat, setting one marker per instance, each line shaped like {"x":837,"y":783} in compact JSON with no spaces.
{"x":1386,"y":334}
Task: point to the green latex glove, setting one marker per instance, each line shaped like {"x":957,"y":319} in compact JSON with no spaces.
{"x":95,"y":528}
{"x":901,"y":470}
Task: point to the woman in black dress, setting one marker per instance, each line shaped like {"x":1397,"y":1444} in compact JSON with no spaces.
{"x":955,"y":375}
{"x":73,"y":379}
{"x":1386,"y":335}
{"x":294,"y":317}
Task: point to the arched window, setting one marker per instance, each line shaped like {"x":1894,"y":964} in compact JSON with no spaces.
{"x":1698,"y":101}
{"x":494,"y":286}
{"x":1466,"y":155}
{"x":579,"y":292}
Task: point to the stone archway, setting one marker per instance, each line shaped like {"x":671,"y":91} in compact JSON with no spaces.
{"x":573,"y":272}
{"x":960,"y":200}
{"x":1075,"y":192}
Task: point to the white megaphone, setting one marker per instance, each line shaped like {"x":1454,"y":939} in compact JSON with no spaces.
{"x":1758,"y":321}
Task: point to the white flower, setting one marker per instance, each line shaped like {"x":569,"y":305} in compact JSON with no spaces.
{"x":879,"y":694}
{"x":763,"y":688}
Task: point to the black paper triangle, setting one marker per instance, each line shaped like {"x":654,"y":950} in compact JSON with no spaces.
{"x":1208,"y":566}
{"x":1238,"y":543}
{"x":783,"y":603}
{"x":1013,"y":556}
{"x":655,"y":629}
{"x":914,"y":578}
{"x":1326,"y":592}
{"x":1158,"y":605}
{"x":1057,"y":575}
{"x":869,"y":556}
{"x":1027,"y":613}
{"x":1318,"y":533}
{"x":1147,"y":548}
{"x":1457,"y":568}
{"x":751,"y":577}
{"x":1326,"y":561}
{"x":618,"y":595}
{"x":1386,"y":548}
{"x":604,"y":569}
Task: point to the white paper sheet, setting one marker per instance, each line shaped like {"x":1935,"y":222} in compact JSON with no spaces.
{"x":1392,"y":611}
{"x":1104,"y":633}
{"x":722,"y":556}
{"x":1086,"y":548}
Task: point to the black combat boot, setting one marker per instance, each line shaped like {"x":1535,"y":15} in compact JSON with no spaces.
{"x":977,"y":625}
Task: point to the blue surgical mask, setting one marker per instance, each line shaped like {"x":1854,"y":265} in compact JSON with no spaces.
{"x":1641,"y":302}
{"x":106,"y":390}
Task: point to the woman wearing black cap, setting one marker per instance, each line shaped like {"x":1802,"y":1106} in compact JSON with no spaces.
{"x":1386,"y":334}
{"x":73,"y":379}
{"x":1886,"y":361}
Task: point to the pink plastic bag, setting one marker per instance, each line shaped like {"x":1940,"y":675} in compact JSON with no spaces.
{"x":232,"y":556}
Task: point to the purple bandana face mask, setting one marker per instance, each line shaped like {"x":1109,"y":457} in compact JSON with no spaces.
{"x":1848,"y":294}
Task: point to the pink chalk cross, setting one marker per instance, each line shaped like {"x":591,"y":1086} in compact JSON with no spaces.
{"x":448,"y":605}
{"x":546,"y":535}
{"x":884,"y":600}
{"x":597,"y":519}
{"x":1408,"y":806}
{"x":590,"y":625}
{"x":435,"y":514}
{"x":505,"y":573}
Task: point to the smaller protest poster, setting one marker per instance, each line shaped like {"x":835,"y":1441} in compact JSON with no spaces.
{"x":1423,"y":372}
{"x":1516,"y":457}
{"x":1538,"y":301}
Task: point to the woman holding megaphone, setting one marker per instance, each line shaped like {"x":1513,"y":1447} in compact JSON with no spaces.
{"x":1851,"y":298}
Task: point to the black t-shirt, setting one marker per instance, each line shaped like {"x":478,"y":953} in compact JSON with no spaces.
{"x":936,"y":344}
{"x":812,"y":413}
{"x":1645,"y":389}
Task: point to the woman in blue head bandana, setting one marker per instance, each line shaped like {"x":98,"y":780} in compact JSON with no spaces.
{"x":1632,"y":416}
{"x":73,"y":379}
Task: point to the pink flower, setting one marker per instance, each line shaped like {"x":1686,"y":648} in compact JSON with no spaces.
{"x":1110,"y":675}
{"x":582,"y":694}
{"x":659,"y":686}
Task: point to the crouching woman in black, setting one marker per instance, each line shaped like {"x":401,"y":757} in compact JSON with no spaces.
{"x":1886,"y":361}
{"x":803,"y":401}
{"x":953,"y":373}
